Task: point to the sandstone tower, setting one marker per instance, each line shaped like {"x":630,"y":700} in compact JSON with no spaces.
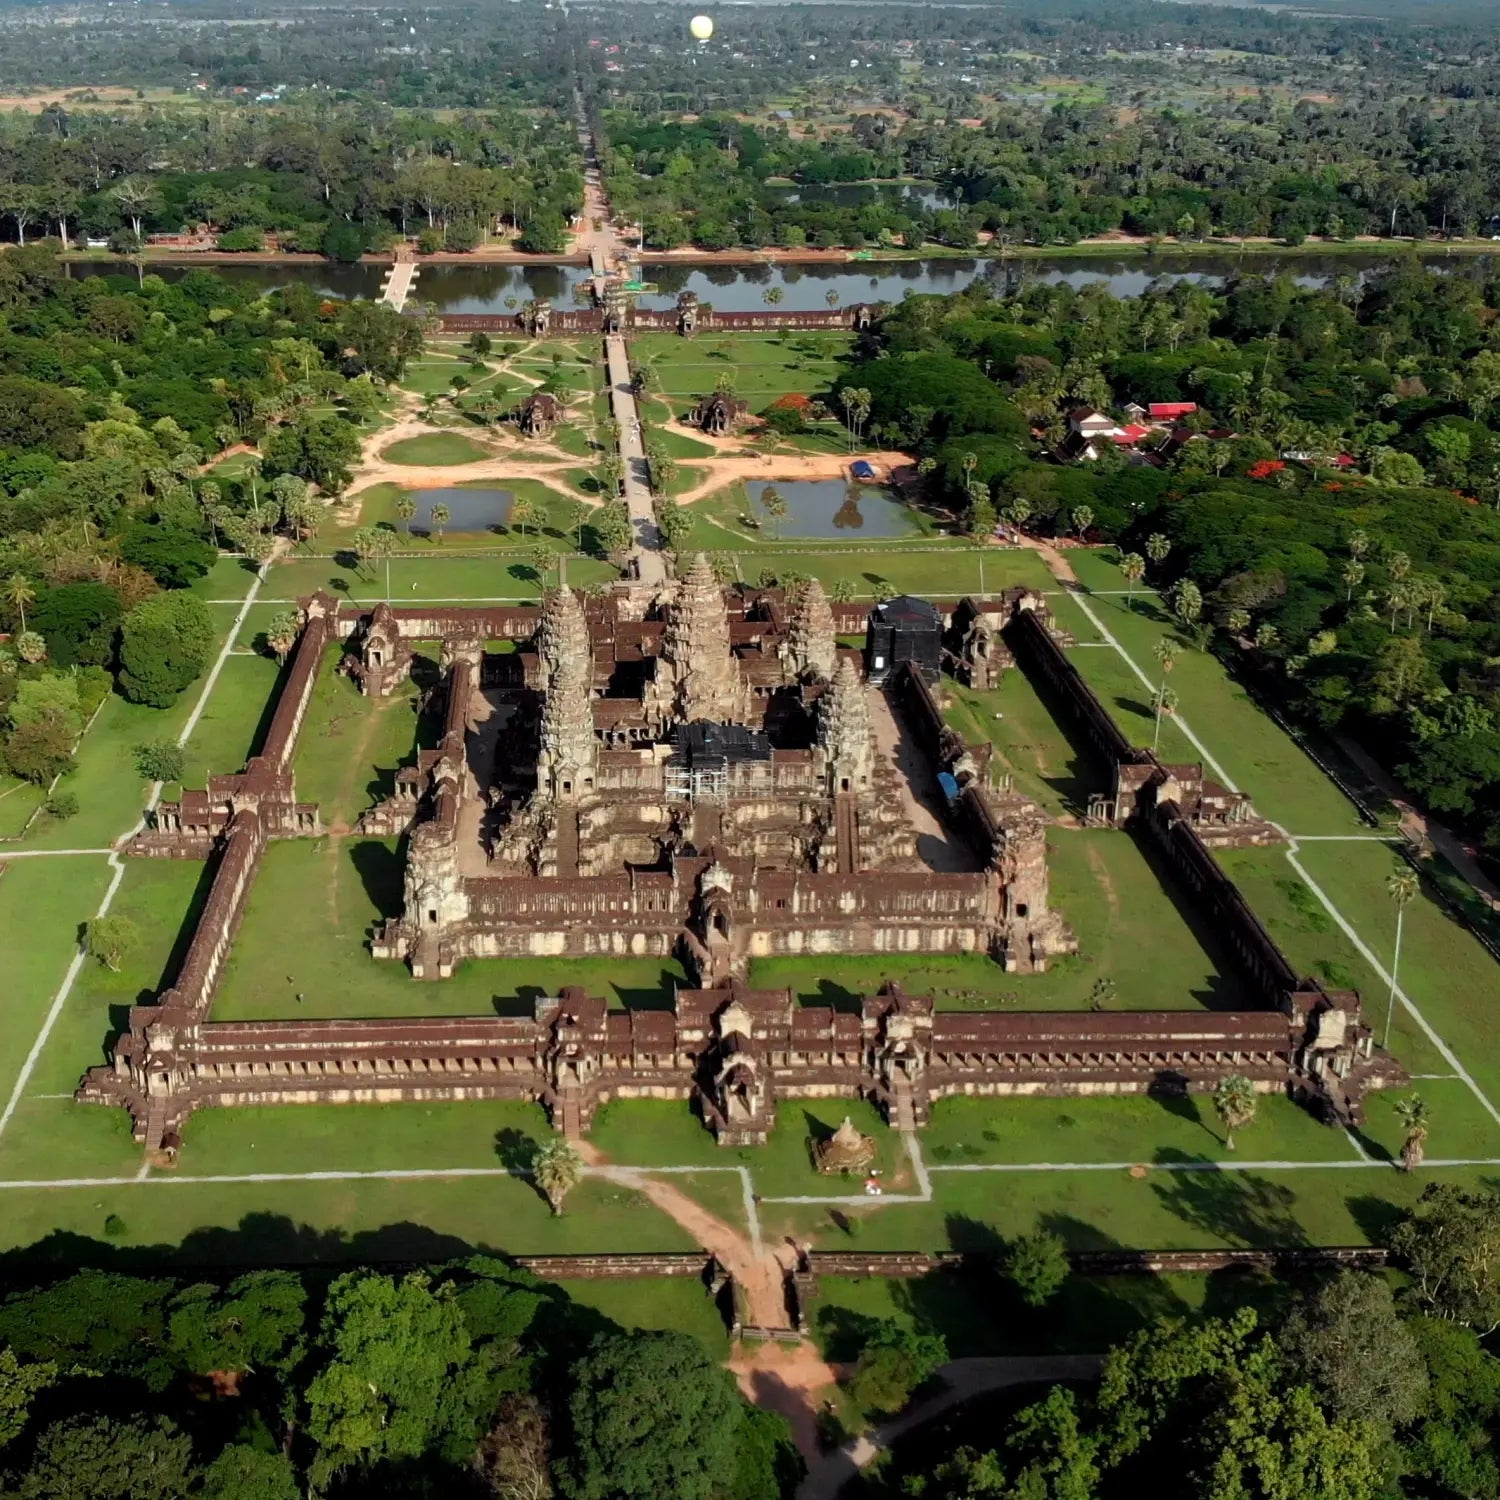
{"x":565,"y":759}
{"x":697,"y":676}
{"x":811,"y":649}
{"x":844,"y":733}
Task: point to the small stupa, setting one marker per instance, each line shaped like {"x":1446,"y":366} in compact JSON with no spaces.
{"x":846,"y":1150}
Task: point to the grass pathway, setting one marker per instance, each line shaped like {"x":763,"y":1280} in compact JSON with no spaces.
{"x":80,"y":957}
{"x":1345,"y":926}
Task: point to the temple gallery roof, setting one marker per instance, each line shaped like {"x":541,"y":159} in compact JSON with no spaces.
{"x":702,"y":741}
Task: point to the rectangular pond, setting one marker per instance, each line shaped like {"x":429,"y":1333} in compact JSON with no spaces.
{"x":831,"y":509}
{"x":468,"y":510}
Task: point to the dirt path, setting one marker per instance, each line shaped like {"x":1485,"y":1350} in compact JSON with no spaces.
{"x":1057,"y":563}
{"x":790,"y":1380}
{"x":774,"y":466}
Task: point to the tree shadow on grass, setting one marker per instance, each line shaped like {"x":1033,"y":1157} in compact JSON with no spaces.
{"x":1229,"y":1207}
{"x":515,"y":1149}
{"x":1375,"y":1216}
{"x":381,"y":871}
{"x":1181,"y":1107}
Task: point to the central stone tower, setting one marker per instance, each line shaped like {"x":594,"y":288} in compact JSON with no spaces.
{"x":697,"y":676}
{"x":565,"y":759}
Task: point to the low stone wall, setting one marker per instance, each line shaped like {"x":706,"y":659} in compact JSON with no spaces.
{"x":615,"y":1267}
{"x":905,"y":1263}
{"x":296,"y":692}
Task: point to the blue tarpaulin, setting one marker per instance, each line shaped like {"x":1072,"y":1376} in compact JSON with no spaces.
{"x":861,"y":470}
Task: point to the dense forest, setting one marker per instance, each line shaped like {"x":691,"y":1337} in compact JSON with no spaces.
{"x":1247,"y":167}
{"x":335,"y":178}
{"x":1341,"y":1392}
{"x":1332,"y":501}
{"x":472,"y":1379}
{"x":113,"y":391}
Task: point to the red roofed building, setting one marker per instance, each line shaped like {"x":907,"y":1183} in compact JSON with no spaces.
{"x":1162,"y":411}
{"x":1129,"y":435}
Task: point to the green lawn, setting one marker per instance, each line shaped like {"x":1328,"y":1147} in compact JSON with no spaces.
{"x":1031,"y":746}
{"x":228,"y":578}
{"x":444,"y":573}
{"x":43,"y":903}
{"x":276,"y":1223}
{"x":1133,"y":931}
{"x":351,"y":746}
{"x":679,"y":1303}
{"x":648,"y":1133}
{"x":437,"y":449}
{"x":1446,"y":973}
{"x":306,"y":929}
{"x":234,"y":719}
{"x":761,"y":366}
{"x":939,"y":570}
{"x":18,"y":801}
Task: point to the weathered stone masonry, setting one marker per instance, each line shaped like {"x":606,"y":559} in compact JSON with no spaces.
{"x":658,"y":833}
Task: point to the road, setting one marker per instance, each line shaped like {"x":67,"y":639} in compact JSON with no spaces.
{"x":648,"y":560}
{"x":963,"y":1379}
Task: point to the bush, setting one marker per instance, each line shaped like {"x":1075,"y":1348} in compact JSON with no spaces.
{"x":114,"y":1226}
{"x":159,"y":760}
{"x":430,"y":240}
{"x":893,"y":1363}
{"x":41,"y":750}
{"x":462,"y":235}
{"x":303,"y":239}
{"x":164,"y":644}
{"x":61,"y":805}
{"x":247,"y":238}
{"x":172,"y":555}
{"x":1036,"y":1265}
{"x":343,"y":241}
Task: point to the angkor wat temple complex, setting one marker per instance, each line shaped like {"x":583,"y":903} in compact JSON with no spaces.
{"x":715,"y":778}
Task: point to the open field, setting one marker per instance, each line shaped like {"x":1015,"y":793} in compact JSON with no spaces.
{"x":760,"y":367}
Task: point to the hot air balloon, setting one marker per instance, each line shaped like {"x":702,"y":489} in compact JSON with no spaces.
{"x":702,"y":27}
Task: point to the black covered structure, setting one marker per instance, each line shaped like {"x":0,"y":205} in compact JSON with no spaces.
{"x":904,"y":629}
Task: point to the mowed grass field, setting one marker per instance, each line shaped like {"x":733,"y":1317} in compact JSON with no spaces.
{"x":243,"y":1192}
{"x":759,"y":366}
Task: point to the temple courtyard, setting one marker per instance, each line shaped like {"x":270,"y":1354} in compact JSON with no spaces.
{"x":409,"y":1178}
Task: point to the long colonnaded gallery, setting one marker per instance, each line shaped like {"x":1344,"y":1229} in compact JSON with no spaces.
{"x":714,"y":778}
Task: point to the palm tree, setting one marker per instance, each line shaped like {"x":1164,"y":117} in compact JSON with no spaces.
{"x":441,"y":515}
{"x":405,"y":507}
{"x":774,"y":504}
{"x":1414,"y":1116}
{"x":1165,"y":651}
{"x":281,"y":633}
{"x":1234,"y":1102}
{"x":1132,"y":570}
{"x":1402,"y":888}
{"x":556,"y":1169}
{"x":1354,"y":573}
{"x":1082,"y":518}
{"x":18,"y":593}
{"x":1157,"y":547}
{"x":522,"y":513}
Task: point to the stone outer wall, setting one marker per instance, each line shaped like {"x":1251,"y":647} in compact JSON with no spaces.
{"x":668,"y":320}
{"x":902,"y":1263}
{"x":573,"y":1054}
